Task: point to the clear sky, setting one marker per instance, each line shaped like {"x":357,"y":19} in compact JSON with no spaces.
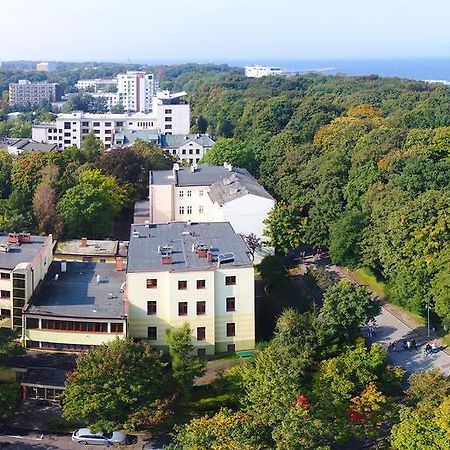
{"x":222,"y":30}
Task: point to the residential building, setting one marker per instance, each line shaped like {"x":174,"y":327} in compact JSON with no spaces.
{"x":97,"y":85}
{"x":17,"y":146}
{"x":79,"y":306}
{"x":126,"y":138}
{"x":46,"y":66}
{"x":195,"y":273}
{"x":135,"y":91}
{"x":172,"y":111}
{"x":188,"y":148}
{"x":207,"y":193}
{"x":111,"y":98}
{"x":24,"y":262}
{"x":26,"y":93}
{"x":262,"y":71}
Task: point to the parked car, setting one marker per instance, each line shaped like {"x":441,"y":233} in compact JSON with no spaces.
{"x":85,"y":436}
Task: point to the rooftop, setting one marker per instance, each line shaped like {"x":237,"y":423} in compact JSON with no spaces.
{"x":145,"y":252}
{"x":77,"y":293}
{"x":19,"y":253}
{"x":92,"y":247}
{"x":129,"y":136}
{"x":141,"y":212}
{"x":176,"y":140}
{"x":26,"y":145}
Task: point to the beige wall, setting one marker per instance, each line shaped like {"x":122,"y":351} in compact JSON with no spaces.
{"x":167,"y":295}
{"x":66,"y":337}
{"x":161,"y":202}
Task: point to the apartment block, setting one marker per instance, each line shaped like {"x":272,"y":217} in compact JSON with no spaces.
{"x":195,"y":273}
{"x":135,"y":91}
{"x":97,"y":84}
{"x":24,"y":262}
{"x":207,"y":193}
{"x":26,"y":93}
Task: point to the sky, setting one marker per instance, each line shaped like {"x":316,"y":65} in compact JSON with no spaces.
{"x":222,"y":30}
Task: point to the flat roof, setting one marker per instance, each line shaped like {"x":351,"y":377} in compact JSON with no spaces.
{"x":219,"y":237}
{"x":93,"y":248}
{"x":76,"y":292}
{"x":17,"y":254}
{"x":141,"y":212}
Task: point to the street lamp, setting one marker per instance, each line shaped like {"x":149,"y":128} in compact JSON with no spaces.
{"x":428,"y":318}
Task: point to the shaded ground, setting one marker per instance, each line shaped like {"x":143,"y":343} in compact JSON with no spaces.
{"x":214,"y":369}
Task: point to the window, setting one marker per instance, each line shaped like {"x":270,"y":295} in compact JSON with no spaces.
{"x":5,"y":276}
{"x":168,"y":111}
{"x":119,"y":124}
{"x":182,"y":284}
{"x":231,"y":348}
{"x":230,"y":280}
{"x":168,"y":127}
{"x":231,"y":304}
{"x":201,"y":333}
{"x":151,"y":308}
{"x":182,"y":308}
{"x":180,"y":194}
{"x":231,"y":329}
{"x":191,"y":151}
{"x":189,"y":210}
{"x":152,"y":333}
{"x":168,"y":119}
{"x":4,"y":294}
{"x":116,"y":327}
{"x":107,"y":124}
{"x":67,"y":142}
{"x":201,"y":308}
{"x":183,"y":151}
{"x":96,"y":124}
{"x":84,"y":124}
{"x":201,"y":284}
{"x":189,"y":193}
{"x":67,"y":125}
{"x":197,"y":151}
{"x":200,"y":193}
{"x":85,"y":130}
{"x":181,"y":209}
{"x":200,"y":209}
{"x":66,"y":134}
{"x":107,"y":131}
{"x":152,"y":283}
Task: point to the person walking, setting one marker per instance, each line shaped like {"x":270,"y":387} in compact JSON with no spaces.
{"x":413,"y":344}
{"x":428,"y":349}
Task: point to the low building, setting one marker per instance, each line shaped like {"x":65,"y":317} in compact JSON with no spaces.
{"x":262,"y":71}
{"x":97,"y":84}
{"x":79,"y":305}
{"x":195,"y":273}
{"x":24,"y":262}
{"x":207,"y":193}
{"x":129,"y":137}
{"x":188,"y":148}
{"x":28,"y":94}
{"x":17,"y":146}
{"x":46,"y":66}
{"x":90,"y":250}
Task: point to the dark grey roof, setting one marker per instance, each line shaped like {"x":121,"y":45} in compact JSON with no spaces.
{"x":204,"y":175}
{"x":141,"y":212}
{"x":177,"y":140}
{"x":220,"y":237}
{"x":26,"y":145}
{"x":22,"y":253}
{"x":130,"y":136}
{"x":234,"y":186}
{"x":76,"y":292}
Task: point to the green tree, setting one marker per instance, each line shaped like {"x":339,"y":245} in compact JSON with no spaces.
{"x":121,"y":384}
{"x":6,"y":162}
{"x":91,"y":147}
{"x":184,"y":366}
{"x":9,"y":398}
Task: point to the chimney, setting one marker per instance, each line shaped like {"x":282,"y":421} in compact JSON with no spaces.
{"x":202,"y":252}
{"x":166,"y":259}
{"x":83,"y":242}
{"x":209,"y":257}
{"x":119,"y":265}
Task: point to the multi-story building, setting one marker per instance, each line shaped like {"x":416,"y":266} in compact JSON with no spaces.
{"x":98,"y":84}
{"x":172,"y":111}
{"x":207,"y":193}
{"x":46,"y":66}
{"x":135,"y":91}
{"x":195,"y":273}
{"x":24,"y":262}
{"x":262,"y":71}
{"x":188,"y":148}
{"x":26,"y":93}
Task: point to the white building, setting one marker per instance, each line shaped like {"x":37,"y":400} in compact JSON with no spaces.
{"x":111,"y":98}
{"x":262,"y":71}
{"x":188,"y":148}
{"x":172,"y":111}
{"x":195,"y":273}
{"x":46,"y":66}
{"x":98,"y":84}
{"x":206,"y":193}
{"x":136,"y":90}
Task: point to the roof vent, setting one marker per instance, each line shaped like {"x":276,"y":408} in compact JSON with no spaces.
{"x":136,"y":234}
{"x":165,"y":249}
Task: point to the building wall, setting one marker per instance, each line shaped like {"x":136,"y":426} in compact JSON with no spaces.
{"x":167,"y":295}
{"x":161,"y":203}
{"x":173,"y":119}
{"x":65,"y":337}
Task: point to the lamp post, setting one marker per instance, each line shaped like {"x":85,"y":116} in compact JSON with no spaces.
{"x":428,"y":318}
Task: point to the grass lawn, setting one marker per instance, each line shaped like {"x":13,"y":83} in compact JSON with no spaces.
{"x":365,"y":277}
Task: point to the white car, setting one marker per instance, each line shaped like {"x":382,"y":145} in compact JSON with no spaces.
{"x":85,"y":436}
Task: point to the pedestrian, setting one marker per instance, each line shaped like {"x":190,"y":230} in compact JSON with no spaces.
{"x":404,"y":344}
{"x":428,"y":349}
{"x":434,"y":348}
{"x":413,"y":343}
{"x":394,"y":346}
{"x":408,"y":345}
{"x":390,"y":346}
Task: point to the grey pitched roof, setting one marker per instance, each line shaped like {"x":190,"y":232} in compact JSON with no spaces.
{"x":176,"y":140}
{"x":235,"y":186}
{"x":130,"y":136}
{"x":26,"y":145}
{"x":23,"y":253}
{"x":204,"y":175}
{"x":76,"y":292}
{"x":219,"y":237}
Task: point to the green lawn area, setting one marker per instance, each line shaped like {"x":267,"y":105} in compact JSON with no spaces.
{"x":5,"y":323}
{"x":365,"y":277}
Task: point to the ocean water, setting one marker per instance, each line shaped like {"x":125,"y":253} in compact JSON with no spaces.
{"x":414,"y":69}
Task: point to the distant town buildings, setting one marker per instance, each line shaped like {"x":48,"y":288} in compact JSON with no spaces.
{"x":206,"y":193}
{"x":196,"y":273}
{"x":25,"y":93}
{"x":45,"y":66}
{"x":189,"y":148}
{"x":98,"y":84}
{"x":262,"y":71}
